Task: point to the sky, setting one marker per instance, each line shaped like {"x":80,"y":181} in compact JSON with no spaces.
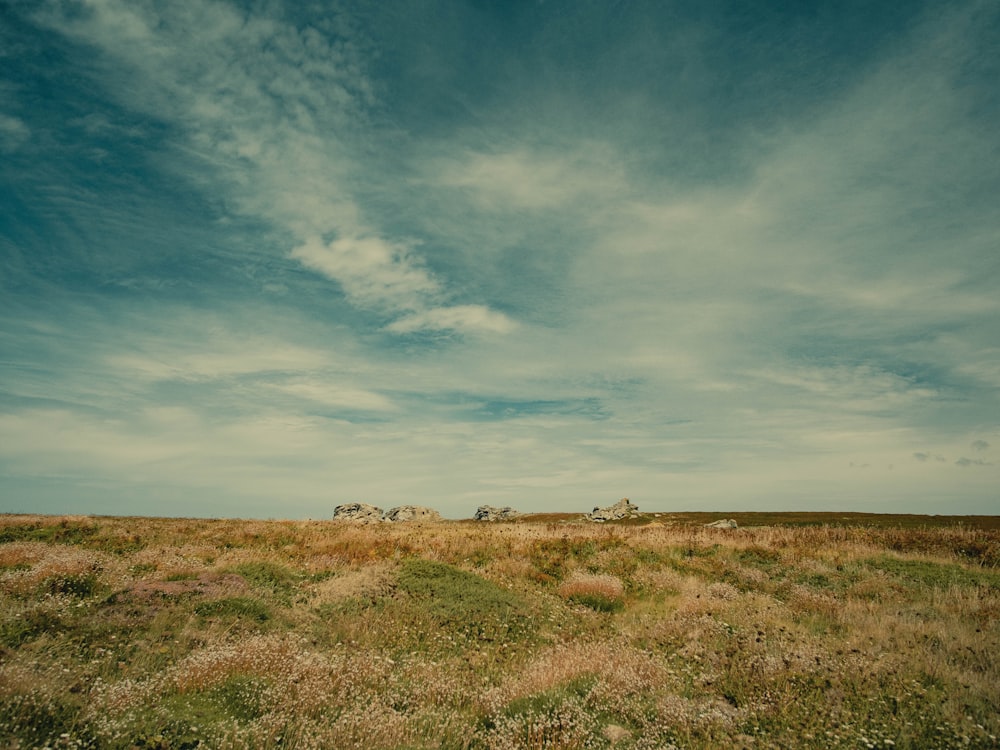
{"x":258,"y":259}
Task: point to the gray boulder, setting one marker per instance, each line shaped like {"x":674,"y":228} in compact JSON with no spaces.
{"x":622,"y":509}
{"x":359,"y":512}
{"x":490,"y":513}
{"x":411,"y":513}
{"x":727,"y":523}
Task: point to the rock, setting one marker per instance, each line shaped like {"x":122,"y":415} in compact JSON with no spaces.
{"x":360,"y":512}
{"x":411,"y":513}
{"x":364,"y":513}
{"x":489,"y":513}
{"x":622,"y":509}
{"x":727,"y":523}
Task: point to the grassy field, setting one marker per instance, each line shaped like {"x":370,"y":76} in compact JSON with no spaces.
{"x":804,"y":630}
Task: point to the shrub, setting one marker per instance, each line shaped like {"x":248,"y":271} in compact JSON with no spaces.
{"x":464,"y":601}
{"x":272,"y":578}
{"x":80,"y":585}
{"x":603,"y":593}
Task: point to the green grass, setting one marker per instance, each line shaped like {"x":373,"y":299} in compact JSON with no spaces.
{"x":23,"y":626}
{"x":464,"y":602}
{"x":239,"y":607}
{"x":597,"y":602}
{"x":64,"y":532}
{"x":80,"y":585}
{"x":33,"y":719}
{"x":459,"y":635}
{"x":933,"y":574}
{"x":269,"y":578}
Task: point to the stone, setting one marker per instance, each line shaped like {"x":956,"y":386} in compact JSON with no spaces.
{"x":727,"y":523}
{"x":622,"y":509}
{"x":360,"y":512}
{"x":411,"y":513}
{"x":490,"y":513}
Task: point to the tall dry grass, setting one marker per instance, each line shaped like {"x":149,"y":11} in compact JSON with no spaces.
{"x":169,"y":633}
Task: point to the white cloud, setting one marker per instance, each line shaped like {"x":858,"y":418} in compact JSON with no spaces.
{"x":861,"y":387}
{"x":276,"y":129}
{"x":462,"y":318}
{"x":535,"y":180}
{"x":371,"y":271}
{"x":335,"y":394}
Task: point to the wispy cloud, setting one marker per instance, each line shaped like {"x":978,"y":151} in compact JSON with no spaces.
{"x":535,"y":180}
{"x":266,"y":252}
{"x":273,"y":111}
{"x":260,"y":356}
{"x":13,"y":132}
{"x":334,"y":394}
{"x":371,"y":271}
{"x":458,"y":318}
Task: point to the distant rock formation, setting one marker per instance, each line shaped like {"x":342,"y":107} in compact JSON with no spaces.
{"x":360,"y":512}
{"x":727,"y":523}
{"x":489,"y":513}
{"x":622,"y":509}
{"x":411,"y":513}
{"x":365,"y":513}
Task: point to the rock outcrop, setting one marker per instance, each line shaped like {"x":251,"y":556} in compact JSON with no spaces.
{"x":489,"y":513}
{"x":365,"y":513}
{"x":411,"y":513}
{"x":727,"y":523}
{"x":360,"y":512}
{"x":622,"y":509}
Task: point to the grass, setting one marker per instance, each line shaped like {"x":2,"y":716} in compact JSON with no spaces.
{"x":545,"y":632}
{"x":464,"y":602}
{"x":239,"y":607}
{"x":603,"y":593}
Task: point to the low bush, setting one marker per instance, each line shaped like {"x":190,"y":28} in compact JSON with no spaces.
{"x":465,"y":602}
{"x":604,"y":593}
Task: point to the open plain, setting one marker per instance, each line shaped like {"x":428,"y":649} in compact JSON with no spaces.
{"x":793,"y":630}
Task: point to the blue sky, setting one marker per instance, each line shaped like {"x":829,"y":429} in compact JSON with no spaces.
{"x":259,"y":259}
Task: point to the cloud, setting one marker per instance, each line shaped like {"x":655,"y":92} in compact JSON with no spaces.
{"x":461,"y":318}
{"x":254,"y":357}
{"x":273,"y":115}
{"x":861,"y":387}
{"x":966,"y":462}
{"x":725,"y":326}
{"x":371,"y":271}
{"x":980,"y":445}
{"x":335,"y":394}
{"x":532,"y":179}
{"x":13,"y":133}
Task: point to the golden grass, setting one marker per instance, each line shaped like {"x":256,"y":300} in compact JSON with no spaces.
{"x":137,"y":632}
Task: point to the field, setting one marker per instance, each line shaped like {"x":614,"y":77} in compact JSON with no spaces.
{"x":841,"y":631}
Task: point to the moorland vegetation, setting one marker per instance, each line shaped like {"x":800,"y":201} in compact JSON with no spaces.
{"x":541,"y":633}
